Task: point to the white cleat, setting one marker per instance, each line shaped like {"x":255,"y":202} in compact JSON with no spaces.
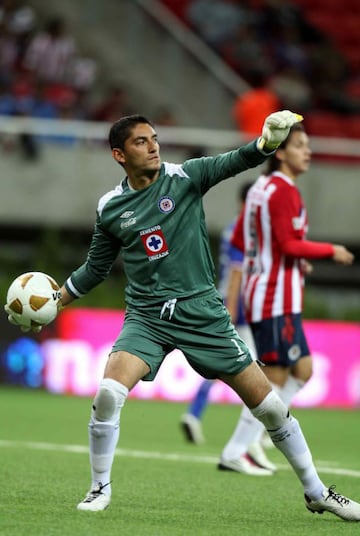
{"x":336,"y":504}
{"x":243,"y":465}
{"x":95,"y":500}
{"x":257,"y":455}
{"x":192,"y":428}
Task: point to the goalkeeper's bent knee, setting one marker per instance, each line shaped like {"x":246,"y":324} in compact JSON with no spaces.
{"x":272,"y":412}
{"x":109,"y":399}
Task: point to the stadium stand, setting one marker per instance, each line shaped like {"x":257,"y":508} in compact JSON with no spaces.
{"x":319,"y":38}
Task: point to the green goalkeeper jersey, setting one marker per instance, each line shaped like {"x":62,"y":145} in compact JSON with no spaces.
{"x":160,"y":231}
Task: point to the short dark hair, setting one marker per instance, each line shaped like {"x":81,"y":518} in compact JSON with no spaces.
{"x":121,"y":129}
{"x":273,"y":163}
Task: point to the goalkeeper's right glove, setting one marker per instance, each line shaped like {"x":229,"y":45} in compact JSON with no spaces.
{"x":15,"y":322}
{"x":276,"y":129}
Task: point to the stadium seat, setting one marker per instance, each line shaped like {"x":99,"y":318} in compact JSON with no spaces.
{"x":353,"y":126}
{"x":353,"y":87}
{"x":352,"y":54}
{"x":333,"y":6}
{"x":326,"y":124}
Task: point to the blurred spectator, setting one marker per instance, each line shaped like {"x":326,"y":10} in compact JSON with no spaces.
{"x":330,"y":75}
{"x":247,"y":54}
{"x":8,"y":53}
{"x":7,"y":99}
{"x":114,"y":105}
{"x":50,"y":52}
{"x":277,"y":15}
{"x":83,"y":72}
{"x":24,"y":141}
{"x":18,"y":21}
{"x":19,"y":17}
{"x":288,"y":50}
{"x":217,"y":21}
{"x":37,"y":103}
{"x":251,"y":107}
{"x":292,"y":89}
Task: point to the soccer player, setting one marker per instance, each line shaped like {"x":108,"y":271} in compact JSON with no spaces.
{"x":155,"y":218}
{"x":254,"y":461}
{"x":272,"y":231}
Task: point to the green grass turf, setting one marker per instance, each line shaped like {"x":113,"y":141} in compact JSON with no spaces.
{"x":162,"y":486}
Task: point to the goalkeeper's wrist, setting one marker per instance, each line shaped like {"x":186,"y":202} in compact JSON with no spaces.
{"x":265,"y":147}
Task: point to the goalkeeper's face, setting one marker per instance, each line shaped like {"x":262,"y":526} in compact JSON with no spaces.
{"x":295,"y":157}
{"x":141,"y":152}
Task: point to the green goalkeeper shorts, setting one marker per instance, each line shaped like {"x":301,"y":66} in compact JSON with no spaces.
{"x":200,"y":327}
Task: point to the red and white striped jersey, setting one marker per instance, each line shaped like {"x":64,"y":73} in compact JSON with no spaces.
{"x":271,"y":230}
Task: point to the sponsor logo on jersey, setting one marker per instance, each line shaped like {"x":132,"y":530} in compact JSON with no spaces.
{"x":166,"y":204}
{"x":127,"y":214}
{"x":154,"y":243}
{"x":127,"y":223}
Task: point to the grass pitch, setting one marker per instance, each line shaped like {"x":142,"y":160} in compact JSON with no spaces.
{"x":162,"y":486}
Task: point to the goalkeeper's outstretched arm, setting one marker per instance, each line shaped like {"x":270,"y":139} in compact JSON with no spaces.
{"x":66,"y":297}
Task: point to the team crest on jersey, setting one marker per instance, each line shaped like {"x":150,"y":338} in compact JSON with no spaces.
{"x":154,"y":243}
{"x":166,"y":204}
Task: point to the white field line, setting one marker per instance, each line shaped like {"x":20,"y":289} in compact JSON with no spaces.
{"x":323,"y":466}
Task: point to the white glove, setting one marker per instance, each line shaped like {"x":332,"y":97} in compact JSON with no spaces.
{"x":276,"y":129}
{"x":13,"y":320}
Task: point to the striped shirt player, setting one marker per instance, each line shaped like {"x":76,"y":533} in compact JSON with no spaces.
{"x":272,"y":230}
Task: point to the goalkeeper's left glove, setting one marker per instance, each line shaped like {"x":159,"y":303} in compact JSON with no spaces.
{"x":13,"y":320}
{"x":276,"y":129}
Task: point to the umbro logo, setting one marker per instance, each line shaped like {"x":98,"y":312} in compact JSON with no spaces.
{"x":127,"y":214}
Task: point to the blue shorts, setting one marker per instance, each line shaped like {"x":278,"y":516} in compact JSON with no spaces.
{"x":280,"y":340}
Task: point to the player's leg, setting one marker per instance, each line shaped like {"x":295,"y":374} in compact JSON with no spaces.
{"x":137,"y":354}
{"x":216,"y":350}
{"x":254,"y":389}
{"x":200,"y":400}
{"x":245,"y":443}
{"x":191,"y":420}
{"x":242,"y":452}
{"x":300,"y":374}
{"x":284,"y":430}
{"x":248,"y":431}
{"x":122,"y":372}
{"x":282,"y":347}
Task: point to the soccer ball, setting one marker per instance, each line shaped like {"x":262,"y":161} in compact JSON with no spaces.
{"x":32,"y":299}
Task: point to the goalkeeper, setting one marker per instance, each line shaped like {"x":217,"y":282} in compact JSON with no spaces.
{"x":155,"y":219}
